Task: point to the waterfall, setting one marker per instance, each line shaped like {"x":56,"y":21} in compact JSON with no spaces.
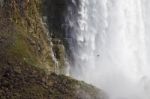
{"x":111,"y":47}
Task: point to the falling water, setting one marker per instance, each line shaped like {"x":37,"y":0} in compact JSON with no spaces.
{"x":112,"y":47}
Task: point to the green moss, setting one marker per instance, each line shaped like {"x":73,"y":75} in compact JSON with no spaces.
{"x":30,"y":43}
{"x":20,"y":48}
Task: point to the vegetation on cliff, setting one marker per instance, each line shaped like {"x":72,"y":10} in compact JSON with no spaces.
{"x":26,"y":60}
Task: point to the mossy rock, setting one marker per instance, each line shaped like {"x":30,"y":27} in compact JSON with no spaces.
{"x":26,"y":63}
{"x":23,"y":36}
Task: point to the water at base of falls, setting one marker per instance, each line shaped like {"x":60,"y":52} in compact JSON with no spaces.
{"x":112,"y":47}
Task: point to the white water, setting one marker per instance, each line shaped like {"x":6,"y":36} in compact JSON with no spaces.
{"x":113,"y":46}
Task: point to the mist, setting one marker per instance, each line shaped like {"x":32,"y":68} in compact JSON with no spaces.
{"x":110,"y":46}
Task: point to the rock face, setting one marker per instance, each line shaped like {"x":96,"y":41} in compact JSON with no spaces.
{"x":26,"y":57}
{"x":22,"y":36}
{"x":28,"y":82}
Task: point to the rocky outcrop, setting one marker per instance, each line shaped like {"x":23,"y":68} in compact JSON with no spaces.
{"x":22,"y":35}
{"x":27,"y":53}
{"x":28,"y":82}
